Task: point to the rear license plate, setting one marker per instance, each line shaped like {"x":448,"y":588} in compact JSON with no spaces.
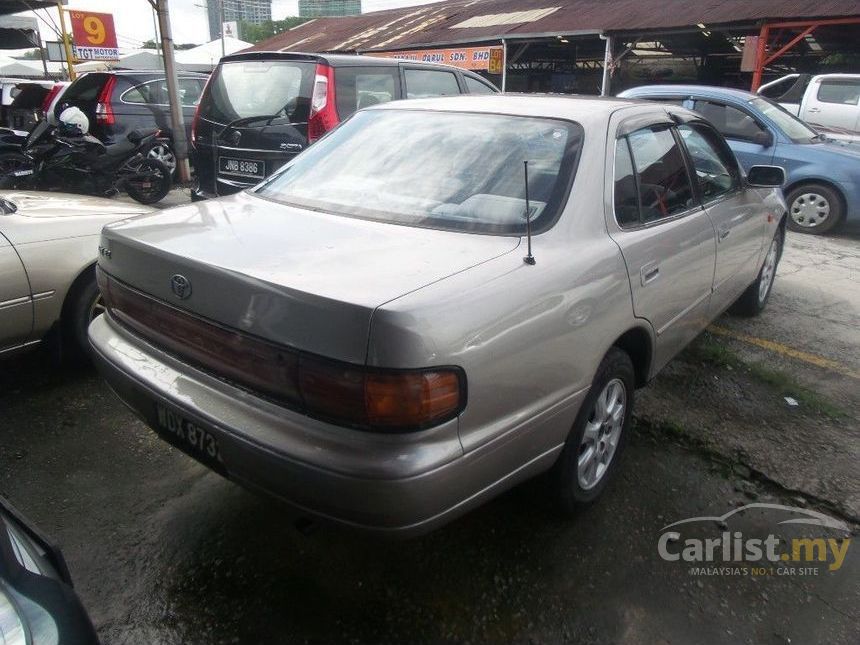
{"x":23,"y":173}
{"x":189,"y":437}
{"x":242,"y":167}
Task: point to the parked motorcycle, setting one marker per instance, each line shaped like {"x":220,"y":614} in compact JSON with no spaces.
{"x":73,"y":160}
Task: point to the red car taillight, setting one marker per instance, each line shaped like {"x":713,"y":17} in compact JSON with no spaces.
{"x":104,"y":109}
{"x":384,"y":400}
{"x":323,"y":116}
{"x":49,"y":98}
{"x":196,"y":120}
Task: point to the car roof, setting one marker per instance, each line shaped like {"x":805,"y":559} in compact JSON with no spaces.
{"x":337,"y":60}
{"x":146,"y":73}
{"x":579,"y":108}
{"x":683,"y":90}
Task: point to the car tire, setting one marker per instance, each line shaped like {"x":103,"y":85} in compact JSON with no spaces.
{"x":160,"y":176}
{"x":753,"y":301}
{"x":84,"y":303}
{"x":601,"y":429}
{"x":814,"y":208}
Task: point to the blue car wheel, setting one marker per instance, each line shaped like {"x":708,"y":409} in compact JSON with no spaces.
{"x":814,"y":208}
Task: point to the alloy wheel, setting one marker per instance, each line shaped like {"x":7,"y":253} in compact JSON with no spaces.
{"x":163,"y":153}
{"x":602,"y":434}
{"x":768,"y":271}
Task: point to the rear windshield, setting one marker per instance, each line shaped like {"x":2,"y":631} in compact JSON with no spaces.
{"x":454,"y":171}
{"x":86,"y":88}
{"x":244,"y":89}
{"x":30,"y":96}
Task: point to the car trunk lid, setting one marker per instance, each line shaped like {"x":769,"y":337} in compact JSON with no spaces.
{"x":300,"y":278}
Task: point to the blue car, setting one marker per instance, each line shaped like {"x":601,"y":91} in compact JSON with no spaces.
{"x":822,"y":187}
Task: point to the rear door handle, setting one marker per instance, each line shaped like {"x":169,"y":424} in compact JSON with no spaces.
{"x":649,"y":273}
{"x":724,"y":233}
{"x":814,"y":109}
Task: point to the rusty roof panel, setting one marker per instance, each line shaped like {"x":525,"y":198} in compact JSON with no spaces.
{"x":460,"y":21}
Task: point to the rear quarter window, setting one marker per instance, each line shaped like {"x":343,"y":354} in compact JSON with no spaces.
{"x":424,"y":83}
{"x":361,"y":87}
{"x":476,"y":86}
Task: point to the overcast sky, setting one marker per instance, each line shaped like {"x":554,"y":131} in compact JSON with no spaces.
{"x":134,"y":22}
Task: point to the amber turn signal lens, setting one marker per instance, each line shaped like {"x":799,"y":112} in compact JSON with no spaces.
{"x":411,"y":399}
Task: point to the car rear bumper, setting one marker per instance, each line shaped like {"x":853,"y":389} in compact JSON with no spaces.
{"x":391,"y":484}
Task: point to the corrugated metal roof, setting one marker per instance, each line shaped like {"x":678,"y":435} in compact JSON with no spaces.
{"x":460,"y":21}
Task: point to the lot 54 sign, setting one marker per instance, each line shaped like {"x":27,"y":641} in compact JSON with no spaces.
{"x":93,"y":36}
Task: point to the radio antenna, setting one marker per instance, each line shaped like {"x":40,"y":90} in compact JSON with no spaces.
{"x":529,"y":259}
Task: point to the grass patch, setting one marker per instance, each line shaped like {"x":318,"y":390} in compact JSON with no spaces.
{"x":787,"y":386}
{"x":710,"y":351}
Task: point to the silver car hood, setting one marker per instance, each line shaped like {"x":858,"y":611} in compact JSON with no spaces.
{"x":301,"y":278}
{"x":44,"y":216}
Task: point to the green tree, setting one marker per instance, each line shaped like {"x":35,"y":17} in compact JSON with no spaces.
{"x":255,"y":33}
{"x":150,"y":44}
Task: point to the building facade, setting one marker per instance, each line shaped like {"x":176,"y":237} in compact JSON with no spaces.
{"x":320,"y":8}
{"x":253,"y":11}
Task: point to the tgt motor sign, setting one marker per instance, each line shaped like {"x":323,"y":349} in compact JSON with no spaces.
{"x":93,"y":36}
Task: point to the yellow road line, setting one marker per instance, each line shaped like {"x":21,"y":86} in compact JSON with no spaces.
{"x":785,"y":350}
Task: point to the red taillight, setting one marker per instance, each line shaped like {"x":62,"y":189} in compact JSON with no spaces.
{"x":323,"y":116}
{"x":384,"y":400}
{"x":49,"y":98}
{"x":196,"y":120}
{"x":104,"y":109}
{"x":194,"y":123}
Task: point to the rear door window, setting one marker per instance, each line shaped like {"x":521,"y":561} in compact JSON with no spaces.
{"x":478,"y":87}
{"x":151,"y":93}
{"x":663,"y":182}
{"x":361,"y":87}
{"x":423,"y":83}
{"x":731,"y":122}
{"x":841,"y":91}
{"x":264,"y":88}
{"x":190,"y":90}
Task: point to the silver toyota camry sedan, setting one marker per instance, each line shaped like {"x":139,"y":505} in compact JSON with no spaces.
{"x":436,"y":301}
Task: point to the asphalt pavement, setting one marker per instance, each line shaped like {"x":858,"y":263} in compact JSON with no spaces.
{"x":163,"y":551}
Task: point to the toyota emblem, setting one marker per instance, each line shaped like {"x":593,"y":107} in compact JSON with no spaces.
{"x":181,"y":286}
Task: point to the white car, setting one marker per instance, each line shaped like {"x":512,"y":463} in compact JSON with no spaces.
{"x":49,"y":243}
{"x":828,"y":102}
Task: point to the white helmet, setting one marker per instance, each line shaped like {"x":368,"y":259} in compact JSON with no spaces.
{"x":73,"y":122}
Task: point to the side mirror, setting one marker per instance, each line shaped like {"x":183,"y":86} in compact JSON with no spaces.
{"x":766,"y":176}
{"x":763,"y":138}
